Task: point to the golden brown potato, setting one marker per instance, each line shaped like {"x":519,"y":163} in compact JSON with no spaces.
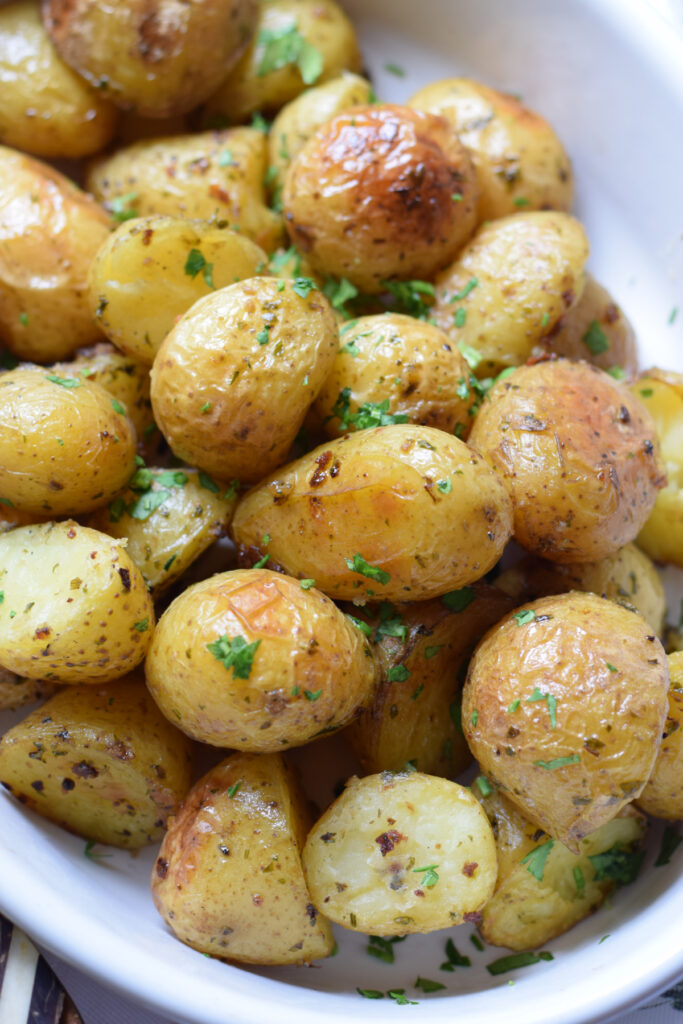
{"x":212,"y":176}
{"x":15,"y":692}
{"x":152,"y":269}
{"x":579,"y":454}
{"x":423,"y":650}
{"x":75,"y":607}
{"x":393,"y":513}
{"x":50,"y":234}
{"x":543,"y":889}
{"x":253,"y":660}
{"x":228,"y":879}
{"x":381,"y":192}
{"x":160,"y":60}
{"x":297,"y":43}
{"x":520,"y":162}
{"x":401,"y":852}
{"x":46,"y":108}
{"x":66,"y":446}
{"x":396,"y":369}
{"x":663,"y":794}
{"x":169,"y":517}
{"x":102,"y":762}
{"x":510,"y":285}
{"x":564,"y":706}
{"x":232,"y":382}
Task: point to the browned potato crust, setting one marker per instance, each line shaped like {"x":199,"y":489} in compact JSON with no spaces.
{"x":579,"y":454}
{"x":15,"y":692}
{"x":564,"y":706}
{"x":371,"y":196}
{"x":663,"y":794}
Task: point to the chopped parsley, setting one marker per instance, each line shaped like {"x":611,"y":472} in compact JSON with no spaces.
{"x":395,"y":69}
{"x":64,"y":382}
{"x":431,"y":652}
{"x":558,"y":762}
{"x":460,"y":317}
{"x":511,"y":963}
{"x":399,"y":995}
{"x":121,"y":208}
{"x":595,"y":339}
{"x":617,"y":864}
{"x":469,"y":354}
{"x":207,"y":483}
{"x":147,"y":503}
{"x":514,"y":706}
{"x":226,"y":159}
{"x":235,"y":654}
{"x":23,"y":319}
{"x":458,"y":600}
{"x":205,"y":408}
{"x":428,"y":986}
{"x":483,"y":785}
{"x":373,"y":572}
{"x":233,"y":789}
{"x":445,"y":486}
{"x":142,"y":625}
{"x":409,"y":296}
{"x":306,"y":584}
{"x":617,"y":373}
{"x":476,"y":942}
{"x":312,"y":694}
{"x":670,"y":843}
{"x":339,"y":292}
{"x":91,"y":855}
{"x":390,"y":622}
{"x":283,"y":46}
{"x":673,"y":314}
{"x":536,"y":858}
{"x":454,"y":958}
{"x":117,"y":407}
{"x":550,"y":701}
{"x":302,"y":286}
{"x":579,"y":880}
{"x":194,"y":263}
{"x":525,"y":616}
{"x":263,"y":336}
{"x":464,"y":292}
{"x":370,"y":993}
{"x":611,"y":667}
{"x":474,"y":718}
{"x":232,"y":490}
{"x":359,"y":624}
{"x":521,"y":201}
{"x":430,"y":876}
{"x":398,"y":674}
{"x":375,"y":414}
{"x":383,"y":949}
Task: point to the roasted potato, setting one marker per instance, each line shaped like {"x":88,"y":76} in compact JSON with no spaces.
{"x":253,"y":660}
{"x":15,"y":692}
{"x":212,"y":176}
{"x":396,"y":369}
{"x":228,"y":879}
{"x":579,"y":454}
{"x":394,"y":512}
{"x":543,"y":889}
{"x":232,"y":382}
{"x":520,"y":162}
{"x":75,"y":607}
{"x":160,"y":60}
{"x":564,"y":706}
{"x":401,"y":852}
{"x":169,"y":517}
{"x":297,"y":43}
{"x":381,"y":192}
{"x":50,"y":234}
{"x":102,"y":762}
{"x":663,"y":794}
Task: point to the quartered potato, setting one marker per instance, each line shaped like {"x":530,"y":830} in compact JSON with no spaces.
{"x":399,"y":853}
{"x":212,"y":176}
{"x":663,"y":794}
{"x":543,"y":889}
{"x":102,"y":762}
{"x":75,"y":608}
{"x":510,"y":285}
{"x":49,"y":234}
{"x":564,"y":707}
{"x":168,"y":517}
{"x":393,"y":513}
{"x":15,"y":692}
{"x":228,"y":879}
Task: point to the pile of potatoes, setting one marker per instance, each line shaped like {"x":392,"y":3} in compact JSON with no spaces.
{"x":344,"y":356}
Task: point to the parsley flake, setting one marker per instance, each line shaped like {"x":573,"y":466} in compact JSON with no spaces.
{"x":445,"y":486}
{"x":359,"y":624}
{"x":458,"y":600}
{"x":464,"y":292}
{"x":558,"y":762}
{"x":306,"y":584}
{"x":373,"y":572}
{"x":235,"y":654}
{"x":550,"y":701}
{"x":579,"y":880}
{"x":375,"y":414}
{"x":194,"y":263}
{"x":64,"y":382}
{"x":469,"y":354}
{"x":142,"y":625}
{"x":617,"y":864}
{"x":302,"y":286}
{"x":398,"y":674}
{"x":339,"y":292}
{"x":207,"y":483}
{"x":474,"y":718}
{"x":370,"y":993}
{"x":395,"y":69}
{"x":511,"y":963}
{"x":430,"y":876}
{"x":427,"y":985}
{"x":595,"y":339}
{"x":431,"y":652}
{"x":536,"y":858}
{"x":312,"y":694}
{"x":117,"y":407}
{"x":285,"y":46}
{"x":233,"y":789}
{"x":460,"y":317}
{"x":670,"y":843}
{"x":91,"y":855}
{"x":263,"y":336}
{"x":121,"y":209}
{"x":525,"y":616}
{"x":483,"y":785}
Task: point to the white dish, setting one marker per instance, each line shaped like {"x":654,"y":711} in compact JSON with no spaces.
{"x":609,"y":75}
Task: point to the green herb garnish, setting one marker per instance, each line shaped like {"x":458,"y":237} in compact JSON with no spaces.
{"x":373,"y":572}
{"x":536,"y":858}
{"x":235,"y":654}
{"x":595,"y":339}
{"x":558,"y":762}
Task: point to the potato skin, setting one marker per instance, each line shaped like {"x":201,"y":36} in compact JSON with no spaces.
{"x":519,"y":160}
{"x":324,"y":509}
{"x":579,"y":455}
{"x":64,"y":448}
{"x":50,"y":234}
{"x":604,"y":678}
{"x":309,"y":673}
{"x":139,"y":284}
{"x":76,"y":608}
{"x":370,"y":196}
{"x":159,"y":60}
{"x":362,"y":857}
{"x":16,"y":692}
{"x":99,"y":761}
{"x":528,"y":269}
{"x":258,"y":353}
{"x":46,"y":109}
{"x":228,"y":879}
{"x":663,"y":794}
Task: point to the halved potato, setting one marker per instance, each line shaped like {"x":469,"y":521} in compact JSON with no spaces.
{"x":663,"y":794}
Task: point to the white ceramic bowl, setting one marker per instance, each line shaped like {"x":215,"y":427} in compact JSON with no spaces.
{"x":609,"y":76}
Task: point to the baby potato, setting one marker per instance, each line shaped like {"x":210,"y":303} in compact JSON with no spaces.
{"x":564,"y":706}
{"x":228,"y":879}
{"x":16,"y":692}
{"x":579,"y":454}
{"x":543,"y":889}
{"x":252,"y":660}
{"x":510,"y":285}
{"x":371,"y":196}
{"x":152,"y":269}
{"x":100,"y":761}
{"x":663,"y":794}
{"x":213,"y":176}
{"x":46,"y":108}
{"x":393,"y":368}
{"x":50,"y":234}
{"x":297,"y":43}
{"x":519,"y":160}
{"x":232,"y":382}
{"x":169,"y":517}
{"x":75,"y":606}
{"x":423,"y":650}
{"x":661,"y":392}
{"x":66,"y":446}
{"x":160,"y":59}
{"x":401,"y":852}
